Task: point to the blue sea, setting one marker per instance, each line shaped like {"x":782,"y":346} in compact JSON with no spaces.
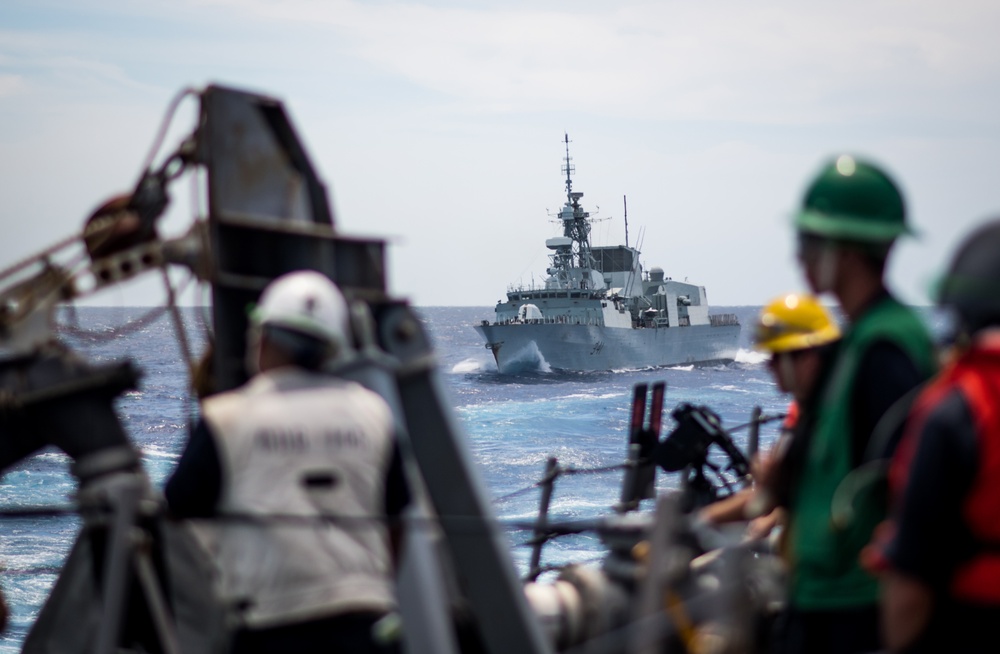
{"x":512,"y":424}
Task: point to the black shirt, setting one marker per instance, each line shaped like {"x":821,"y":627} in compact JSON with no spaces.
{"x":932,"y":537}
{"x":884,"y":376}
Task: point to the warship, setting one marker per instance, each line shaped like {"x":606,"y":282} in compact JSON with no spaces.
{"x":137,"y":580}
{"x":598,"y":309}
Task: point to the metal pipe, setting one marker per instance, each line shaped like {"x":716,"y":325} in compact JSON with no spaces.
{"x":541,"y":525}
{"x":753,"y":437}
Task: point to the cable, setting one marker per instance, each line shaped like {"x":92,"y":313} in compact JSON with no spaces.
{"x":38,"y":512}
{"x":40,"y":570}
{"x":555,"y":568}
{"x":559,"y":471}
{"x":165,"y":125}
{"x":504,"y":498}
{"x":41,"y":256}
{"x":143,"y":321}
{"x":467,"y":523}
{"x":763,"y":420}
{"x":595,"y":471}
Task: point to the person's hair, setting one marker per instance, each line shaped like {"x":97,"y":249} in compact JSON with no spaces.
{"x":203,"y":375}
{"x":301,"y":349}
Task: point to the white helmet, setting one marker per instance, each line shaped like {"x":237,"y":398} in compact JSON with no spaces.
{"x":306,"y":302}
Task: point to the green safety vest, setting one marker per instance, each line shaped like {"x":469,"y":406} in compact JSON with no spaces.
{"x":825,"y":572}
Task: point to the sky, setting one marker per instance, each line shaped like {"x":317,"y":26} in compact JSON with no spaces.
{"x":439,"y":125}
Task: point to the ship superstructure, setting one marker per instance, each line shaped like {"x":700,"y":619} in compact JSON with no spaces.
{"x":598,"y":309}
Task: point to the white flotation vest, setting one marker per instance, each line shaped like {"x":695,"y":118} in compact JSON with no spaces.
{"x":296,"y":443}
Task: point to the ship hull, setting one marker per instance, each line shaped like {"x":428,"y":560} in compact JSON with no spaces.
{"x":519,"y":347}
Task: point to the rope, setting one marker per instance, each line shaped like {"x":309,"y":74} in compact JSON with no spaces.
{"x":41,"y":299}
{"x":570,"y":470}
{"x":594,"y":471}
{"x":41,"y":256}
{"x":125,"y":329}
{"x":288,"y":519}
{"x":131,"y":327}
{"x":504,"y":498}
{"x":40,"y":570}
{"x":556,"y":568}
{"x":762,"y":420}
{"x":75,"y":238}
{"x":559,"y":471}
{"x":165,"y":125}
{"x":38,"y":511}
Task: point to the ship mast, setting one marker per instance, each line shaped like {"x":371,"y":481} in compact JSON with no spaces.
{"x":568,"y":168}
{"x":575,"y":220}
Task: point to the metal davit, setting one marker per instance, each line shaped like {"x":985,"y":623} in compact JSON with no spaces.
{"x":135,"y":580}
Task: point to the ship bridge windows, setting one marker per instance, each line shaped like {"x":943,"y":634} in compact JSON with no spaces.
{"x":539,"y":295}
{"x":617,"y":258}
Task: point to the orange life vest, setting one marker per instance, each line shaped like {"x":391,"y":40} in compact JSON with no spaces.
{"x":976,"y":375}
{"x":791,"y":417}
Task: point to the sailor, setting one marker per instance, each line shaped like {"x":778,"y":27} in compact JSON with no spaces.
{"x":801,"y":336}
{"x":309,"y":447}
{"x":851,"y":215}
{"x":941,"y":591}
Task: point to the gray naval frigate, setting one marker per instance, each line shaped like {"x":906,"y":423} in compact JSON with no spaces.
{"x":598,"y":309}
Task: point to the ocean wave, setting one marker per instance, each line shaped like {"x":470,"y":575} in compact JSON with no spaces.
{"x":155,"y":451}
{"x":751,"y":356}
{"x":590,"y":396}
{"x":620,"y":371}
{"x":682,"y":368}
{"x":529,"y":358}
{"x":729,"y":388}
{"x":469,"y":365}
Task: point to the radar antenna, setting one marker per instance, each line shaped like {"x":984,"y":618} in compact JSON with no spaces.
{"x":625,"y":203}
{"x":569,"y":169}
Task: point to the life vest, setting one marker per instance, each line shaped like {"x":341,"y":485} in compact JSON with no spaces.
{"x":976,"y":375}
{"x":300,"y":444}
{"x":826,"y":573}
{"x":791,"y":416}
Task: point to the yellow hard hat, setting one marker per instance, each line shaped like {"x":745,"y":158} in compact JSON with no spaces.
{"x":794,"y":322}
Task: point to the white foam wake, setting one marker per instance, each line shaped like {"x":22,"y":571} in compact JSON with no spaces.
{"x":528,"y":358}
{"x":468,"y":365}
{"x":751,"y":356}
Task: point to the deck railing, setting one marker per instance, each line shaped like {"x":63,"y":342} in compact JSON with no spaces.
{"x":724,"y":320}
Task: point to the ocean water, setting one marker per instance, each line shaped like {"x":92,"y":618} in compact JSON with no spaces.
{"x":512,"y":424}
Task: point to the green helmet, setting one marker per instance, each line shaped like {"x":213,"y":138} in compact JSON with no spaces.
{"x":853,"y":200}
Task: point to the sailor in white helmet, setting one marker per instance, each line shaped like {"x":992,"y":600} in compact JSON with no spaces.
{"x":295,"y":441}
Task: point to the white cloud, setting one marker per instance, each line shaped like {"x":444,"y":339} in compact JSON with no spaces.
{"x":437,"y":126}
{"x":777,"y":63}
{"x":10,"y":85}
